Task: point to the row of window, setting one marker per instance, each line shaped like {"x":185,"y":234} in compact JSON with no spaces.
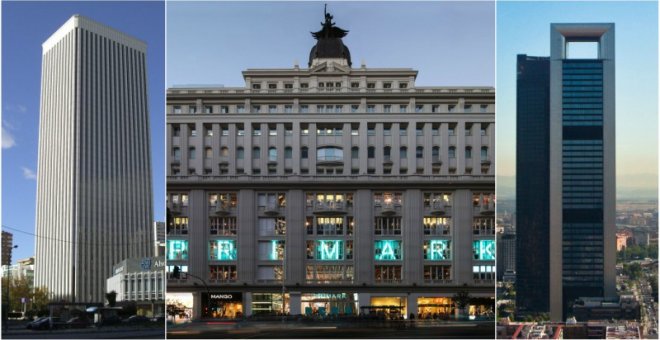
{"x":329,"y":226}
{"x":330,"y":250}
{"x":327,"y":153}
{"x":328,"y":84}
{"x":331,"y":108}
{"x":330,"y":130}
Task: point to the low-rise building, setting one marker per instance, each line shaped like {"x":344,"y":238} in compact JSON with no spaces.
{"x":140,"y":280}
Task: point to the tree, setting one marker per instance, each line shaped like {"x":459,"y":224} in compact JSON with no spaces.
{"x":112,"y":298}
{"x":462,"y":300}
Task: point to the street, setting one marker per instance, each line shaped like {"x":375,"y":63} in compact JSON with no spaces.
{"x":294,"y":329}
{"x":18,"y":331}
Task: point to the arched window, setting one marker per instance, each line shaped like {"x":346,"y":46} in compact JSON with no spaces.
{"x":484,"y":152}
{"x":468,"y":152}
{"x":191,"y":153}
{"x":452,"y":152}
{"x":240,"y":153}
{"x":288,"y":152}
{"x":272,"y":154}
{"x":387,"y":153}
{"x":224,"y":151}
{"x":371,"y":152}
{"x":403,"y":152}
{"x":419,"y":152}
{"x":303,"y":152}
{"x":256,"y":152}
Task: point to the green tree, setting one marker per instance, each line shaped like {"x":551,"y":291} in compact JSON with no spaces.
{"x":112,"y":298}
{"x":632,"y":270}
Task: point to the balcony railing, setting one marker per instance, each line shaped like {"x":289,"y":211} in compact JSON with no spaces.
{"x":388,"y":209}
{"x":175,"y":208}
{"x":272,"y":210}
{"x":440,"y":208}
{"x":221,"y":208}
{"x":439,"y":281}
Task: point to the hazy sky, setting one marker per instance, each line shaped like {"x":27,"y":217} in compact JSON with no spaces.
{"x":450,"y":43}
{"x":25,"y":26}
{"x":524,"y":28}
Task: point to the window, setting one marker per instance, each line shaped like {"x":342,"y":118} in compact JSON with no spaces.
{"x":419,"y":152}
{"x":208,"y":130}
{"x":355,"y":152}
{"x":371,"y":85}
{"x":437,"y":226}
{"x":288,"y":152}
{"x":387,"y":225}
{"x":192,"y":109}
{"x":483,"y":226}
{"x":329,"y":225}
{"x":435,"y":108}
{"x":208,"y":109}
{"x":240,"y":153}
{"x":191,"y":153}
{"x":271,"y":250}
{"x":387,"y":85}
{"x":371,"y":152}
{"x":256,"y":86}
{"x":224,"y":109}
{"x":304,"y":85}
{"x":483,"y":108}
{"x":208,"y":153}
{"x":177,"y":250}
{"x":256,"y":108}
{"x":483,"y":250}
{"x":403,"y":152}
{"x":484,"y":129}
{"x":387,"y":274}
{"x":419,"y":130}
{"x":468,"y":129}
{"x":486,"y":273}
{"x":177,"y":109}
{"x":288,"y":85}
{"x":437,"y":250}
{"x":176,"y":131}
{"x":272,"y":226}
{"x":355,"y":84}
{"x":419,"y":108}
{"x":256,"y":152}
{"x":355,"y":108}
{"x":240,"y":108}
{"x":484,"y":153}
{"x":403,"y":85}
{"x":192,"y":130}
{"x":225,"y":226}
{"x":179,"y":226}
{"x":452,"y":152}
{"x":329,"y":154}
{"x":304,"y":108}
{"x":467,"y":108}
{"x":272,"y":131}
{"x":176,"y":153}
{"x":272,"y":86}
{"x":272,"y":154}
{"x":272,"y":108}
{"x":288,"y":108}
{"x":329,"y":250}
{"x":387,"y":151}
{"x":371,"y":130}
{"x":451,"y":108}
{"x":451,"y":129}
{"x":303,"y":152}
{"x":387,"y":250}
{"x":371,"y":108}
{"x":387,"y":108}
{"x":222,"y":250}
{"x":223,"y":273}
{"x":468,"y":153}
{"x":403,"y":108}
{"x":435,"y":153}
{"x":437,"y":273}
{"x":256,"y":130}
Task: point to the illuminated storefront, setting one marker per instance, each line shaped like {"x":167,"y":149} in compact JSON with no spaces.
{"x":435,"y":307}
{"x":389,"y":306}
{"x":329,"y":304}
{"x":222,"y":305}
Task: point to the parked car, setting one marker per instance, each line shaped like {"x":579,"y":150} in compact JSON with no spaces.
{"x":159,"y":318}
{"x":48,"y":323}
{"x":78,"y":322}
{"x":137,"y":319}
{"x":111,"y":320}
{"x":37,"y":320}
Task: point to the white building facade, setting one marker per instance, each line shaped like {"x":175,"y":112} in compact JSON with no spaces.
{"x":141,"y":280}
{"x":94,"y":195}
{"x":331,"y":190}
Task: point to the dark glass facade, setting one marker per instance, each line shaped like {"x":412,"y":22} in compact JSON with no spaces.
{"x":532,"y":185}
{"x":582,"y":179}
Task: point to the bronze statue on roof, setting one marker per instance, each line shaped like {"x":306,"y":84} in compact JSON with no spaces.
{"x":329,"y":29}
{"x":329,"y":43}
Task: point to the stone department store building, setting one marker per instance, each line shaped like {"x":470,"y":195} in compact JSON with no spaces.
{"x":331,"y":190}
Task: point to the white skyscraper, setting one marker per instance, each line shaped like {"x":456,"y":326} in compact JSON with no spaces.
{"x":94,"y":205}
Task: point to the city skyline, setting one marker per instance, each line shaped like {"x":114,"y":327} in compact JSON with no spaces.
{"x":25,"y":26}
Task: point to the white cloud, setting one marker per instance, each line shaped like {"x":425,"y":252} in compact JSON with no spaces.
{"x":16,"y":108}
{"x":28,"y":173}
{"x":8,"y":140}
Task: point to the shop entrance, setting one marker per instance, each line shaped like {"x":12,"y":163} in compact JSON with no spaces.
{"x":391,"y":307}
{"x":435,"y":308}
{"x":328,"y":304}
{"x":222,"y":305}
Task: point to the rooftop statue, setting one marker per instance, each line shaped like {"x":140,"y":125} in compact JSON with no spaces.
{"x":329,"y":29}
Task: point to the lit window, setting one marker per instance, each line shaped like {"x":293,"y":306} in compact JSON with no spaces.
{"x":468,"y":152}
{"x":272,"y":154}
{"x":222,"y":250}
{"x":177,"y":250}
{"x":208,"y":109}
{"x":177,"y":109}
{"x":387,"y":250}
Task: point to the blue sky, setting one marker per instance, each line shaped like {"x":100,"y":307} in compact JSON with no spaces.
{"x":524,"y":28}
{"x":449,"y":43}
{"x":25,"y":26}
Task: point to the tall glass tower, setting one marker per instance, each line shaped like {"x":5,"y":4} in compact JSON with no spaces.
{"x":94,"y":205}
